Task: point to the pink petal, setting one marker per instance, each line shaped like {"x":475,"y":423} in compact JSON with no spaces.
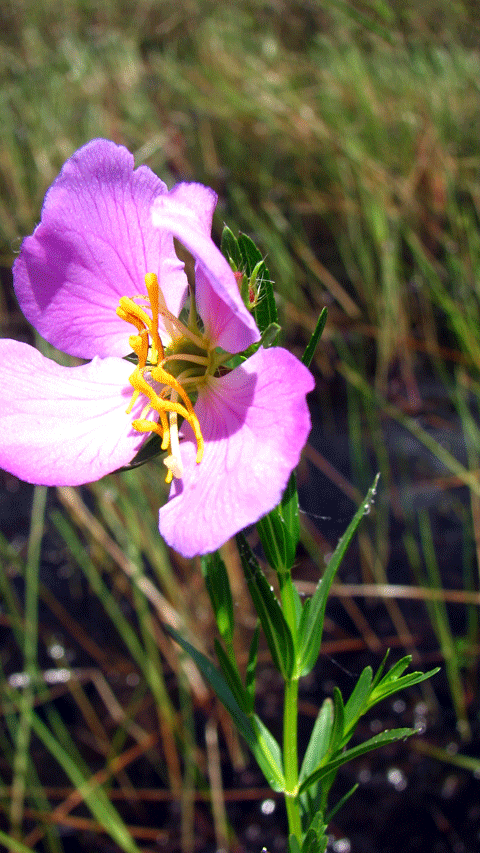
{"x":180,"y":213}
{"x":64,"y":425}
{"x":222,"y":325}
{"x":255,"y":422}
{"x":94,"y":244}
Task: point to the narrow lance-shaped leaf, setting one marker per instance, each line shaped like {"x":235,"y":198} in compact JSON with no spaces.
{"x":320,"y":739}
{"x":338,"y":721}
{"x":399,"y":684}
{"x":232,"y":677}
{"x":357,"y":702}
{"x":374,"y":743}
{"x":290,"y":512}
{"x":313,"y":342}
{"x":279,"y":531}
{"x":268,"y":609}
{"x":275,"y":541}
{"x":311,"y":624}
{"x":218,"y":587}
{"x":264,"y":747}
{"x":251,"y":670}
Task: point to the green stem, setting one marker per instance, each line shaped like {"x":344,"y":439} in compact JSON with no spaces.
{"x":290,"y":757}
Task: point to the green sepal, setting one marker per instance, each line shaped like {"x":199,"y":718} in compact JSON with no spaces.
{"x":230,"y":249}
{"x":275,"y":627}
{"x":218,"y":587}
{"x":261,"y":742}
{"x":250,"y":254}
{"x":254,"y":267}
{"x":317,"y":334}
{"x":148,"y":451}
{"x":270,"y":335}
{"x":311,"y":623}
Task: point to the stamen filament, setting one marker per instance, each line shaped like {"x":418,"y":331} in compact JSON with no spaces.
{"x":180,"y":356}
{"x":181,"y":327}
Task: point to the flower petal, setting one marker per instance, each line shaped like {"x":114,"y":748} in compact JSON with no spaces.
{"x":64,"y":425}
{"x":255,"y":422}
{"x":186,"y":212}
{"x":94,"y":244}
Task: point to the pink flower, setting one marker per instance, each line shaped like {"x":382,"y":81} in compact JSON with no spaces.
{"x":99,"y":279}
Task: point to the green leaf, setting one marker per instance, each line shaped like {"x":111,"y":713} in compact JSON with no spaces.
{"x":357,"y":703}
{"x":374,"y":743}
{"x":388,"y":686}
{"x":379,"y":672}
{"x":276,"y":541}
{"x":336,"y":808}
{"x":338,"y":721}
{"x":313,"y":342}
{"x":279,"y":531}
{"x":232,"y":677}
{"x":230,"y":249}
{"x":218,"y":587}
{"x":289,"y":508}
{"x":293,"y":844}
{"x":319,"y":740}
{"x":271,"y":753}
{"x":316,"y":839}
{"x":252,"y":668}
{"x":262,"y":744}
{"x":268,"y":609}
{"x":311,"y":623}
{"x":396,"y":670}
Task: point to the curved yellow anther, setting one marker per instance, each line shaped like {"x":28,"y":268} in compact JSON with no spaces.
{"x":148,"y":348}
{"x":161,"y":375}
{"x":153,"y":290}
{"x":144,"y":425}
{"x":139,"y":345}
{"x":131,"y":312}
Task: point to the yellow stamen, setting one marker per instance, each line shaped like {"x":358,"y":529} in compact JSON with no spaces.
{"x":148,"y":348}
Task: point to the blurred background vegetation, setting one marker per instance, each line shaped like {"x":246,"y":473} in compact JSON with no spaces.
{"x":343,"y":137}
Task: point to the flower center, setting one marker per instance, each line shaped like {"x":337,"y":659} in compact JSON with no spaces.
{"x":162,"y":373}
